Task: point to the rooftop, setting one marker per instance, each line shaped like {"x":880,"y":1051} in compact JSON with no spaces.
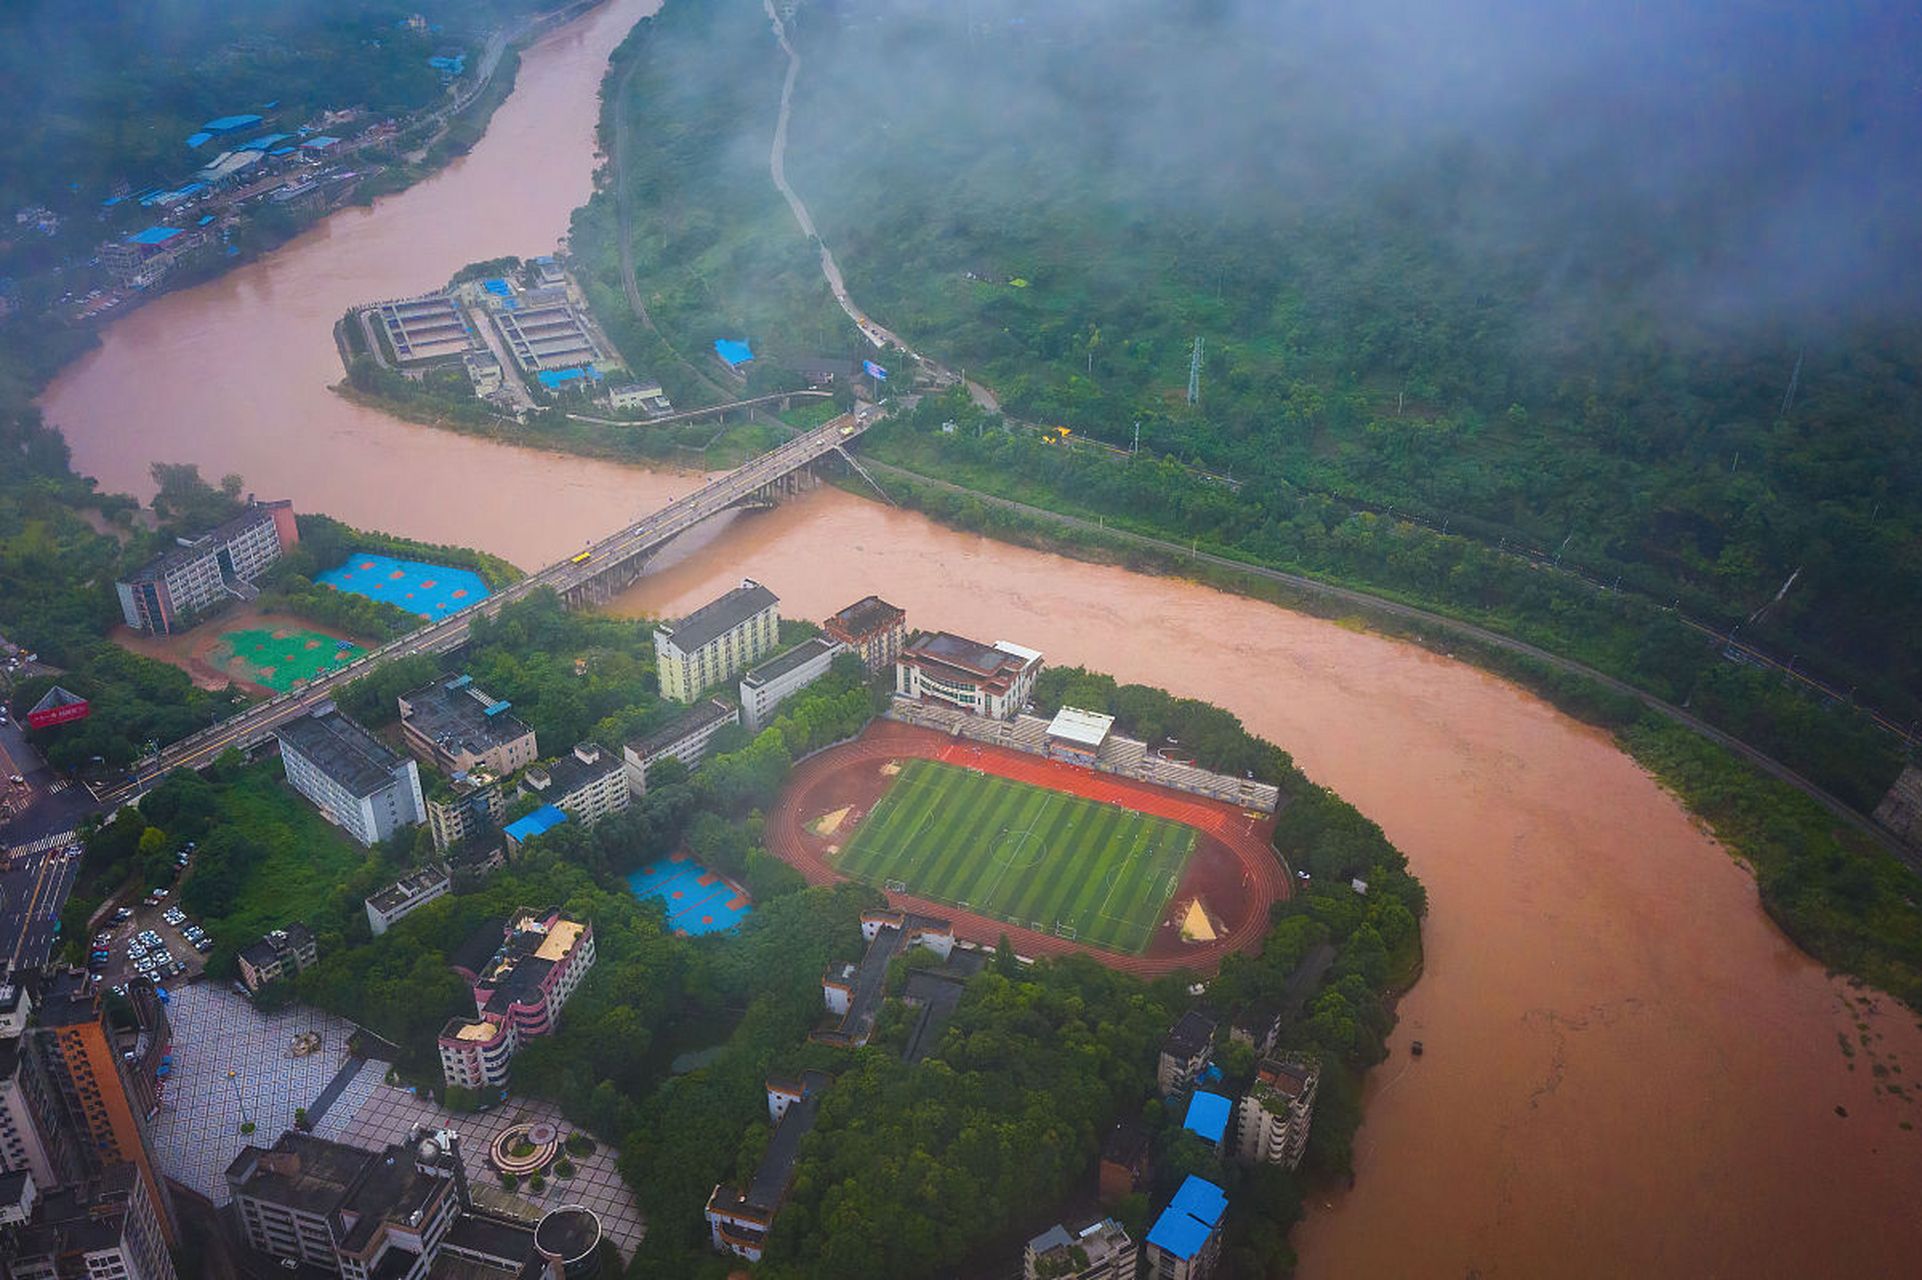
{"x":341,"y":749}
{"x":1195,"y":1032}
{"x":697,"y":718}
{"x":539,"y":822}
{"x":408,"y":887}
{"x":585,"y":765}
{"x":715,"y":619}
{"x":865,"y":616}
{"x":994,"y":665}
{"x":800,"y":655}
{"x":1184,"y":1226}
{"x":456,"y":716}
{"x":1085,"y":728}
{"x":1208,"y":1115}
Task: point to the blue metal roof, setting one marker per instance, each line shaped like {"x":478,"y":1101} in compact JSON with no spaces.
{"x":734,"y":353}
{"x":263,"y":142}
{"x":227,"y":124}
{"x":543,"y":819}
{"x":200,"y":138}
{"x":205,"y":219}
{"x":154,"y":235}
{"x":320,"y":144}
{"x":1208,"y":1115}
{"x":1190,"y":1218}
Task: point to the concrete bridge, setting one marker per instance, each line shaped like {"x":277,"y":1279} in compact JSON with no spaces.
{"x":591,"y":576}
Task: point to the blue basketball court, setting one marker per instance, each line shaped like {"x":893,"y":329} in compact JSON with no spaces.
{"x":430,"y":590}
{"x":698,"y":901}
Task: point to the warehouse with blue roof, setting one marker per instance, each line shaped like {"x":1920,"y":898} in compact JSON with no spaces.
{"x":1185,"y":1241}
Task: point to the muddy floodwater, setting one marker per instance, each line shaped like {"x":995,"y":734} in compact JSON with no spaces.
{"x":234,"y":375}
{"x":1628,"y":1070}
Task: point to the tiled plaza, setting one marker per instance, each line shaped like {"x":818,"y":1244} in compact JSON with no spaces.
{"x":388,"y":1113}
{"x":197,"y":1133}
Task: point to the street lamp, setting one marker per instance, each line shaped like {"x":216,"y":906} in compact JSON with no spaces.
{"x":240,"y":1104}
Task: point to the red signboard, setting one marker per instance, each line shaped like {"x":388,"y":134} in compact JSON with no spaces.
{"x":58,"y":707}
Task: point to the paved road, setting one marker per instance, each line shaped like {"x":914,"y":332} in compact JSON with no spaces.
{"x":1767,"y":764}
{"x":639,"y":538}
{"x":35,"y":889}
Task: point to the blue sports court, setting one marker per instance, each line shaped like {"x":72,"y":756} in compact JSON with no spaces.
{"x":698,"y":901}
{"x":430,"y":590}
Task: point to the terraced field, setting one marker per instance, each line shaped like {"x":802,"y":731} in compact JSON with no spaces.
{"x":1094,"y":872}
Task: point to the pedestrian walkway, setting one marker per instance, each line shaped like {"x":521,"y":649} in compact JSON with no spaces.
{"x":44,"y":843}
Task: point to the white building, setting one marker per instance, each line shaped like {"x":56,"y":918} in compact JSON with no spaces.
{"x":356,"y":782}
{"x":406,"y":896}
{"x":208,"y":569}
{"x":105,"y":1228}
{"x":1273,"y":1119}
{"x":685,"y":740}
{"x":766,"y":687}
{"x":587,"y":785}
{"x":994,"y":680}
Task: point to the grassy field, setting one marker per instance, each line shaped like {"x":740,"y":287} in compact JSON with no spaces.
{"x":1023,"y":854}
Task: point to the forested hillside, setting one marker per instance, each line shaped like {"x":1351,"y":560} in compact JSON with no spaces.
{"x":1509,"y":290}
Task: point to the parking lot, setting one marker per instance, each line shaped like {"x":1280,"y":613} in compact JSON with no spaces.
{"x":156,"y":940}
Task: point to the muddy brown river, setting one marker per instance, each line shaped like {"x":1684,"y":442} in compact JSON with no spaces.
{"x":1628,"y":1069}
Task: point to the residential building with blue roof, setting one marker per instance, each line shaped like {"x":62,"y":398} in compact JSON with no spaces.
{"x":1185,"y":1241}
{"x":539,"y":822}
{"x":1208,"y":1116}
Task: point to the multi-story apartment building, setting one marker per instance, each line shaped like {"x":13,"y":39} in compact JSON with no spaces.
{"x":354,"y":779}
{"x":1272,"y":1121}
{"x":25,"y":1105}
{"x":88,"y":1093}
{"x":872,"y":628}
{"x":985,"y":680}
{"x":105,"y":1227}
{"x":205,"y":570}
{"x":1185,"y":1052}
{"x":463,"y":807}
{"x":519,"y":990}
{"x":587,"y":785}
{"x":766,"y":687}
{"x":1185,"y":1241}
{"x":276,"y":955}
{"x":685,"y":740}
{"x":1099,"y":1250}
{"x":407,"y":895}
{"x":345,"y":1210}
{"x":456,"y":728}
{"x":717,"y":641}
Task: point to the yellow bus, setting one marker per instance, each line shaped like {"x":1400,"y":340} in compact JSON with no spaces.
{"x":582,"y":558}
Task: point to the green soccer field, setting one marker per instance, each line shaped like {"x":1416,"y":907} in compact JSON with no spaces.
{"x":1049,"y":861}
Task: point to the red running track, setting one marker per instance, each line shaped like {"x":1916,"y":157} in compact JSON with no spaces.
{"x":1264,"y":876}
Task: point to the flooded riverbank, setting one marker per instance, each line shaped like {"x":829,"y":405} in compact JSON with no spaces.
{"x":234,"y":374}
{"x":1628,"y":1069}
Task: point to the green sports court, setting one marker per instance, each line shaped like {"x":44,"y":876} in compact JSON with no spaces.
{"x":1082,"y":869}
{"x":279,"y":658}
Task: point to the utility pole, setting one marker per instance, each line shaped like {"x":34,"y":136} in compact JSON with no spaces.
{"x":1194,"y":374}
{"x":1136,"y":446}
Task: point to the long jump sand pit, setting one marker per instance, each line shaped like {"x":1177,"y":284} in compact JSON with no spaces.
{"x":1232,"y":873}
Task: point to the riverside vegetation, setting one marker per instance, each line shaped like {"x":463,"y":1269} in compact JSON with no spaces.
{"x":1354,"y":356}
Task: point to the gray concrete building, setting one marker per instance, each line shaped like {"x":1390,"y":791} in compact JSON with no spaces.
{"x":354,"y":779}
